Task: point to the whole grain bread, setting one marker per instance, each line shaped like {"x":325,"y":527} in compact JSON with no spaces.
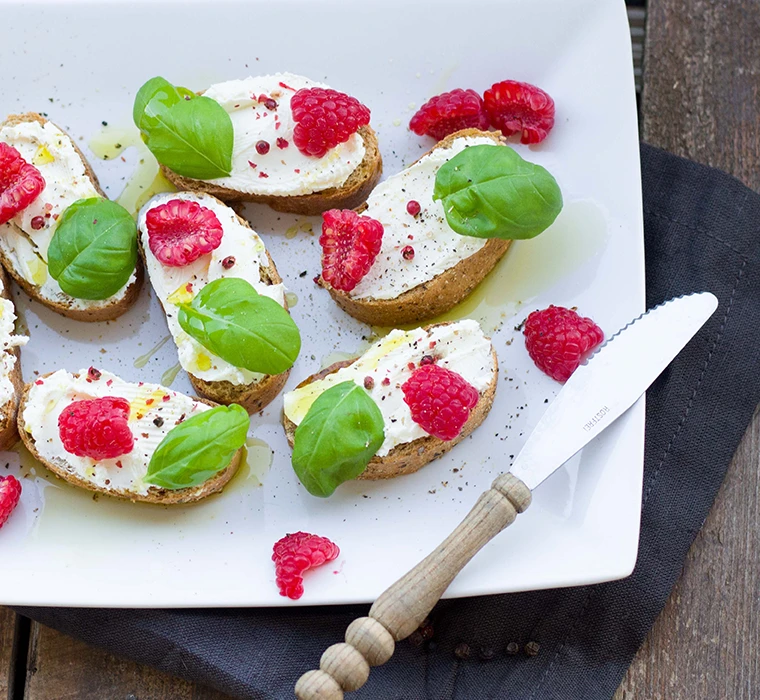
{"x":155,"y":494}
{"x":257,"y":395}
{"x":438,"y":295}
{"x":8,"y":433}
{"x":410,"y":456}
{"x":105,"y":310}
{"x":350,"y":194}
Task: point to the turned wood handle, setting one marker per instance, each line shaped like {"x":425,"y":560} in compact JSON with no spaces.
{"x":370,"y":641}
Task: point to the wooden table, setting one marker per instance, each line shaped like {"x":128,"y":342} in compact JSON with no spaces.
{"x":701,"y":99}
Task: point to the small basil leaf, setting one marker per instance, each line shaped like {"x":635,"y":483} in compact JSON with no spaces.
{"x":248,"y":330}
{"x":93,"y":251}
{"x":337,"y":438}
{"x":491,"y":192}
{"x":198,"y":448}
{"x":160,"y":94}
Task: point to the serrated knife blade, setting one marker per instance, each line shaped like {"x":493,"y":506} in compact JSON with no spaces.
{"x":609,"y":383}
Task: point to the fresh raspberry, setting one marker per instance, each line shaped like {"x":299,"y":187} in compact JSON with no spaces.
{"x":515,"y":107}
{"x":96,"y":428}
{"x":20,"y":183}
{"x":350,"y":243}
{"x":294,"y":554}
{"x":10,"y":493}
{"x":559,"y":339}
{"x":449,"y":112}
{"x":325,"y":118}
{"x":180,"y":231}
{"x":440,"y":400}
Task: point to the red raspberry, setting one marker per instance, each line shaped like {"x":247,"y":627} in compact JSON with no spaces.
{"x":515,"y":107}
{"x":350,"y":243}
{"x":10,"y":493}
{"x":20,"y":183}
{"x":294,"y":554}
{"x":180,"y":231}
{"x":449,"y":112}
{"x":440,"y":400}
{"x":96,"y":428}
{"x":559,"y":339}
{"x":325,"y":118}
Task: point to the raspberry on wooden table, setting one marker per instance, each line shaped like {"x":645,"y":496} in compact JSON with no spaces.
{"x":96,"y":428}
{"x":514,"y":107}
{"x":20,"y":183}
{"x":180,"y":231}
{"x":350,"y":243}
{"x":10,"y":493}
{"x":440,"y":400}
{"x":294,"y":554}
{"x":559,"y":339}
{"x":449,"y":112}
{"x":324,"y":119}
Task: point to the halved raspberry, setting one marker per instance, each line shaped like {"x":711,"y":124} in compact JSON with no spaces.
{"x":515,"y":107}
{"x":350,"y":243}
{"x":96,"y":428}
{"x":180,"y":231}
{"x":559,"y":339}
{"x":325,"y":118}
{"x":294,"y":554}
{"x":10,"y":493}
{"x":440,"y":400}
{"x":449,"y":112}
{"x":20,"y":183}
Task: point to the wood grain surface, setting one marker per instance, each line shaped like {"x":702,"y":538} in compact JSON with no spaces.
{"x":701,"y":99}
{"x":7,"y":629}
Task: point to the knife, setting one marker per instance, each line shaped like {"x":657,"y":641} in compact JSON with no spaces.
{"x":598,"y":392}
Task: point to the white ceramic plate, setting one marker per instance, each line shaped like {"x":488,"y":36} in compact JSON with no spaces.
{"x":81,"y":63}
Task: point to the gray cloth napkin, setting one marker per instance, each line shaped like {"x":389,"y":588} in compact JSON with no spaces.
{"x":701,"y":229}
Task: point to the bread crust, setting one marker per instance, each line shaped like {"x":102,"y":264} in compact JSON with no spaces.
{"x":438,"y":295}
{"x":252,"y":397}
{"x":155,"y":494}
{"x":8,"y":433}
{"x":350,"y":194}
{"x":409,"y":457}
{"x":107,"y":310}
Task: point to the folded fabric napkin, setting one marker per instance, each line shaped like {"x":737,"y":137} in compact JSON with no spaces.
{"x":701,"y":229}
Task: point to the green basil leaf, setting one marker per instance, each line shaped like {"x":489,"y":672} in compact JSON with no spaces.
{"x":338,"y":436}
{"x":188,"y":133}
{"x":491,"y":192}
{"x":198,"y":448}
{"x":248,"y":330}
{"x":93,"y":251}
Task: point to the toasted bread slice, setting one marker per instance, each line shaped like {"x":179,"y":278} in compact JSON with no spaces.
{"x":410,"y":456}
{"x":349,"y":194}
{"x":433,"y":296}
{"x":10,"y":366}
{"x":45,"y":444}
{"x":259,"y":390}
{"x":46,"y":290}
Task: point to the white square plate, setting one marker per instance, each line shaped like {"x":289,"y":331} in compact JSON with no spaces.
{"x":81,"y":63}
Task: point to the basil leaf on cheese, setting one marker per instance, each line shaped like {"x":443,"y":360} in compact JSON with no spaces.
{"x":338,"y":436}
{"x":198,"y":448}
{"x":93,"y":251}
{"x":232,"y":320}
{"x":491,"y":192}
{"x":190,"y":134}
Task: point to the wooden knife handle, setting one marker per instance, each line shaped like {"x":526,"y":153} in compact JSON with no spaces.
{"x":370,"y":641}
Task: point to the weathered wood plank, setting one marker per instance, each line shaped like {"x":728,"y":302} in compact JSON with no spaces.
{"x":7,"y":632}
{"x":701,"y":99}
{"x":62,"y":668}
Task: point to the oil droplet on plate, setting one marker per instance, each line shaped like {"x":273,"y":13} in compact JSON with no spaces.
{"x":143,"y":360}
{"x":333,"y":357}
{"x":303,"y":225}
{"x":291,"y":298}
{"x":168,"y":377}
{"x":254,"y":466}
{"x":111,"y":141}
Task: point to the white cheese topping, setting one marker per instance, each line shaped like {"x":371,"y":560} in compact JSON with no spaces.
{"x":171,"y":283}
{"x":283,"y":170}
{"x":8,"y":341}
{"x":460,"y":347}
{"x":52,"y":152}
{"x":150,"y":419}
{"x":436,"y":246}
